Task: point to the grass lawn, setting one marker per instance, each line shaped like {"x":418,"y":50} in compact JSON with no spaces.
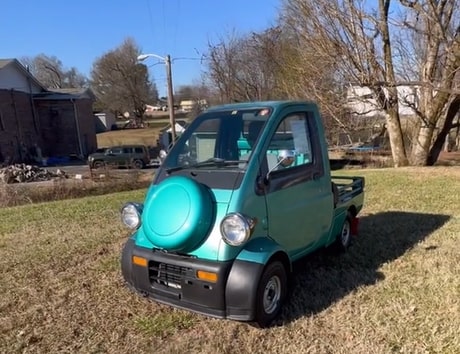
{"x":396,"y":290}
{"x":146,"y":136}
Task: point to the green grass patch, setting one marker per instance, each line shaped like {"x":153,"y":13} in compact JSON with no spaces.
{"x":165,"y":323}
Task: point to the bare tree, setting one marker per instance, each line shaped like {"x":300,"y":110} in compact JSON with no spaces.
{"x":434,"y":26}
{"x":242,"y":67}
{"x":74,"y":79}
{"x":50,"y":71}
{"x":354,"y":38}
{"x":195,"y":91}
{"x":120,"y":83}
{"x":417,"y":45}
{"x":303,"y":73}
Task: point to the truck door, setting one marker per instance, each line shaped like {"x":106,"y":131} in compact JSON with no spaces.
{"x":112,"y":156}
{"x":298,"y":194}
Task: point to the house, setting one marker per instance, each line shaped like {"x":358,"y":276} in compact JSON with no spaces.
{"x":361,"y":101}
{"x":58,"y":122}
{"x":19,"y":122}
{"x":67,"y":121}
{"x":187,"y":105}
{"x":105,"y":121}
{"x":165,"y":137}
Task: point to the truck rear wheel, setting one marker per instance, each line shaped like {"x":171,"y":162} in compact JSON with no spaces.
{"x":271,"y":293}
{"x":343,"y":240}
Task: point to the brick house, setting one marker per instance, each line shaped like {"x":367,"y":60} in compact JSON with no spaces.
{"x":67,"y":123}
{"x":60,"y":122}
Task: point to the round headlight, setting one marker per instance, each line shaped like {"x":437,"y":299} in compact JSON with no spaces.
{"x":131,"y":215}
{"x":235,"y":229}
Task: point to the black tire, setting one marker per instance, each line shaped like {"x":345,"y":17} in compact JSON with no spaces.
{"x":126,"y":262}
{"x":271,"y":293}
{"x":98,"y":164}
{"x":138,"y":164}
{"x":343,"y":240}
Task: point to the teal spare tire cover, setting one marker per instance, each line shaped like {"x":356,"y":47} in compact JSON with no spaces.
{"x":178,"y":215}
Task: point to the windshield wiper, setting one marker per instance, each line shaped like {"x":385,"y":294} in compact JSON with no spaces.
{"x":213,"y":161}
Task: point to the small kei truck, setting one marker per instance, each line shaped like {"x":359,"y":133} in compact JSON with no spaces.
{"x":245,"y":191}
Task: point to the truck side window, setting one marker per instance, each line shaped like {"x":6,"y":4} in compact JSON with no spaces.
{"x":290,"y":146}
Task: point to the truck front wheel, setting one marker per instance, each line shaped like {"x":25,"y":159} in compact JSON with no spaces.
{"x":98,"y":164}
{"x":271,"y":293}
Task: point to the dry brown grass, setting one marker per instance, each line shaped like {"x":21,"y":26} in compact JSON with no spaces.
{"x":59,"y":189}
{"x":146,"y":136}
{"x":397,"y":290}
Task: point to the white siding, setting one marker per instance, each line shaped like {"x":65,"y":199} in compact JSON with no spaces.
{"x":11,"y":77}
{"x":361,"y":102}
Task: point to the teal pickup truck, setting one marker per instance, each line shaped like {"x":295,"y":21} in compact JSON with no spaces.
{"x":244,"y":192}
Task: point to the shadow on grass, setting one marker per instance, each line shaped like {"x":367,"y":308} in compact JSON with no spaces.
{"x":323,"y":278}
{"x":339,"y":164}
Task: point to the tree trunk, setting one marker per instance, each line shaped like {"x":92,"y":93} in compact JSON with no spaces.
{"x":453,"y":110}
{"x":396,"y":141}
{"x":421,"y":148}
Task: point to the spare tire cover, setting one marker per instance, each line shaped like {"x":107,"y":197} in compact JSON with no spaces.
{"x":178,"y":215}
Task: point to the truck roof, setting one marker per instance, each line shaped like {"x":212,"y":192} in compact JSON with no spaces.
{"x":257,"y":104}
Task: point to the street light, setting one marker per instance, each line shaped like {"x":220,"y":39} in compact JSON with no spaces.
{"x":167,"y":61}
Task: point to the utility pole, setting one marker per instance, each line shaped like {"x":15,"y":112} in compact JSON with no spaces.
{"x":167,"y":61}
{"x":172,"y":119}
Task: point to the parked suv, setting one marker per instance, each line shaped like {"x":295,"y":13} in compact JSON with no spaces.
{"x":135,"y":156}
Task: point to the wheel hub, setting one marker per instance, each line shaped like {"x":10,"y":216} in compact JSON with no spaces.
{"x":344,"y":237}
{"x":272,"y":294}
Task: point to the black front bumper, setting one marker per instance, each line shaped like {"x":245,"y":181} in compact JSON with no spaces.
{"x":171,"y":279}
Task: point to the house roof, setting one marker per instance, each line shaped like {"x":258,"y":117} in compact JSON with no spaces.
{"x":49,"y":94}
{"x":6,"y":62}
{"x":66,"y":94}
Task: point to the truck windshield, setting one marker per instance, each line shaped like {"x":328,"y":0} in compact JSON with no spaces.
{"x":218,"y":140}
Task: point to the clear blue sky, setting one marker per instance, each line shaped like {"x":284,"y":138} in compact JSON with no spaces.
{"x":79,"y":31}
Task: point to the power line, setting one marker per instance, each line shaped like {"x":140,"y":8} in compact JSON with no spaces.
{"x":164,"y":22}
{"x":177,"y":17}
{"x":150,"y":17}
{"x":202,"y":59}
{"x":186,"y":58}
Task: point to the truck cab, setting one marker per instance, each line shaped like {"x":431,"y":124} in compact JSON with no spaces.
{"x":244,"y":192}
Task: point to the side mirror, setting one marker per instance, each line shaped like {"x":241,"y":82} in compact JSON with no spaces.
{"x":285,"y":158}
{"x":162,"y":154}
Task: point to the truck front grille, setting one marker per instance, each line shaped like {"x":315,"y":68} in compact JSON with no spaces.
{"x":167,"y":274}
